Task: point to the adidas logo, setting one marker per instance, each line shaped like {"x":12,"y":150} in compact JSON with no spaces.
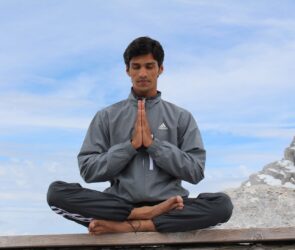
{"x":163,"y":126}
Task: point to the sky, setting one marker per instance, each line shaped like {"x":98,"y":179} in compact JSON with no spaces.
{"x":230,"y":63}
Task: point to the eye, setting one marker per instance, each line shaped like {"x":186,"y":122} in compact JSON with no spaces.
{"x":150,"y":66}
{"x":135,"y":66}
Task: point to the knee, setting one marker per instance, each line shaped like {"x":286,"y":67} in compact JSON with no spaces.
{"x":225,"y":208}
{"x":53,"y":193}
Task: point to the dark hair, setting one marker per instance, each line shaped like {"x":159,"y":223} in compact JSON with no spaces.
{"x":143,"y":46}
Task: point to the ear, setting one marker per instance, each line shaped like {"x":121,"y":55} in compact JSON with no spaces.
{"x":127,"y":71}
{"x":161,"y":69}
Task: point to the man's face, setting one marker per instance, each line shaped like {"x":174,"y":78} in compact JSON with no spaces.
{"x":144,"y":72}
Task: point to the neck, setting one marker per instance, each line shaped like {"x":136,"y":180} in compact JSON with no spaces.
{"x":144,"y":94}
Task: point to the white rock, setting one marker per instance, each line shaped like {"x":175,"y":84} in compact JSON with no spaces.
{"x":267,"y":198}
{"x":270,"y":207}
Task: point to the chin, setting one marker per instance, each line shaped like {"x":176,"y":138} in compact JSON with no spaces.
{"x":141,"y":92}
{"x":141,"y":89}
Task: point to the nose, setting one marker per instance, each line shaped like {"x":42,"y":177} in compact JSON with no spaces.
{"x":142,"y":72}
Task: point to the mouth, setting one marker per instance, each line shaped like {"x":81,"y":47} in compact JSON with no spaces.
{"x":143,"y":81}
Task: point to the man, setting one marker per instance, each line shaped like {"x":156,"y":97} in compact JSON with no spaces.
{"x":145,"y":147}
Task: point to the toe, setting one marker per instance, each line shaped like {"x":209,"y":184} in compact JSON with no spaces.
{"x":179,"y":199}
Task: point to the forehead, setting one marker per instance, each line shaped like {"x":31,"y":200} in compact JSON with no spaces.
{"x":143,"y":59}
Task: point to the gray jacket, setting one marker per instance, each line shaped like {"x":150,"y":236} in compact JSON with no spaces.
{"x":146,"y":174}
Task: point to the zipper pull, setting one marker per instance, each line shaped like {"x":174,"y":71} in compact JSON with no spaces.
{"x":151,"y":163}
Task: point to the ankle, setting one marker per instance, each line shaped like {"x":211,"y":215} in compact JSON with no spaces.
{"x":135,"y":225}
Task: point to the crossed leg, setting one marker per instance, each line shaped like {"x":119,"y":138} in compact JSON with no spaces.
{"x":113,"y":214}
{"x":139,"y":220}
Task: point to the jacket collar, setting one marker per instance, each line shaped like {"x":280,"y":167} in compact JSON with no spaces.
{"x":148,"y":100}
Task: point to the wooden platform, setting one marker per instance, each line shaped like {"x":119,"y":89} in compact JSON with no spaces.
{"x":200,"y":239}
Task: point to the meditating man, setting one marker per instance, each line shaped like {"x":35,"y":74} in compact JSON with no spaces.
{"x":145,"y":147}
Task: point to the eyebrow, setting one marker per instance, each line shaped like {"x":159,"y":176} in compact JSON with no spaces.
{"x":148,"y":63}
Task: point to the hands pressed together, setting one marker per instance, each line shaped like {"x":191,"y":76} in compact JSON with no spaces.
{"x":142,"y":135}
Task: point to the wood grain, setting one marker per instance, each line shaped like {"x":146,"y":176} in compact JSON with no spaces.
{"x":247,"y":235}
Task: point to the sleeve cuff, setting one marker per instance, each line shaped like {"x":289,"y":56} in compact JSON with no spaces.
{"x":154,"y":148}
{"x":130,"y":149}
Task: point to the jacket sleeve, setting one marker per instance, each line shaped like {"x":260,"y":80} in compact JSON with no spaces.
{"x":185,"y":161}
{"x":98,"y":161}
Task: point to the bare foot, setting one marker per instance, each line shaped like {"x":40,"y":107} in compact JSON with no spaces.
{"x":149,"y":212}
{"x":105,"y":226}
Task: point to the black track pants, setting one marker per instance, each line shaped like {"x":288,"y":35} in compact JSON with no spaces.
{"x":82,"y":205}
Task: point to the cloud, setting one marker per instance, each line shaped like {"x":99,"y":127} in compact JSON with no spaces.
{"x":71,"y":105}
{"x":234,"y":75}
{"x":223,"y":80}
{"x":246,"y":90}
{"x":19,"y":110}
{"x":32,"y":218}
{"x":2,"y":172}
{"x":67,"y":34}
{"x":220,"y":179}
{"x":254,"y":129}
{"x":21,"y":196}
{"x":27,"y":181}
{"x":23,"y":177}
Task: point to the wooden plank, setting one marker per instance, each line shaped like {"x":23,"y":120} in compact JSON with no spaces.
{"x":249,"y":235}
{"x":235,"y":247}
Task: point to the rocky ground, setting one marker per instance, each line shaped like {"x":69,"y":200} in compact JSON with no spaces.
{"x":262,"y":206}
{"x":267,"y":198}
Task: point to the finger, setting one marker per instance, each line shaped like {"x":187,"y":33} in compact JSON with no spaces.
{"x":141,"y":104}
{"x":145,"y":122}
{"x":142,"y":107}
{"x":140,"y":110}
{"x":91,"y":226}
{"x":138,"y":120}
{"x":143,"y":113}
{"x":97,"y":231}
